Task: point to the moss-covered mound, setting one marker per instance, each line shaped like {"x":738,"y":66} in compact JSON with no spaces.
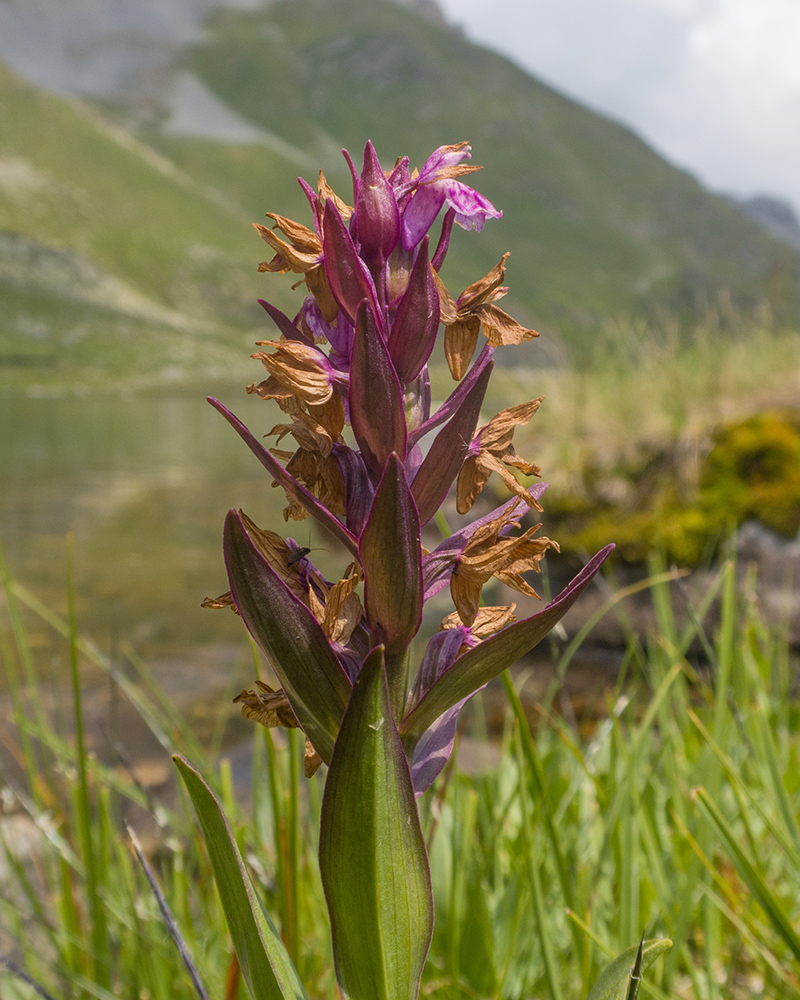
{"x":684,"y":498}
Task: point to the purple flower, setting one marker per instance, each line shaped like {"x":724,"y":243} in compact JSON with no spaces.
{"x":438,"y":183}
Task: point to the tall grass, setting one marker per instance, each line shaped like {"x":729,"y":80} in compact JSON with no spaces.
{"x":672,"y":809}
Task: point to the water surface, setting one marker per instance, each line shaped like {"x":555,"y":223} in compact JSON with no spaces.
{"x":144,"y":483}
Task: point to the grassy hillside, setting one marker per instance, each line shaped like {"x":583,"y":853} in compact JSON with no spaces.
{"x":598,"y":224}
{"x":115,"y":265}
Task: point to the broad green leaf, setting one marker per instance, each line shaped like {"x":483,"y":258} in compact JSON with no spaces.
{"x":310,"y":674}
{"x":373,"y":861}
{"x":616,"y":982}
{"x":265,"y":963}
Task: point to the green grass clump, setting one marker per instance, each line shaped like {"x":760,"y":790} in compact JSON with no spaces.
{"x":76,"y":912}
{"x":753,"y":471}
{"x":672,"y":807}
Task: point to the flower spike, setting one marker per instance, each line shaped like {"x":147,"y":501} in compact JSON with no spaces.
{"x":374,"y":466}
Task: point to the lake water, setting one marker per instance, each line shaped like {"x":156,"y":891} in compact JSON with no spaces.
{"x":144,"y":483}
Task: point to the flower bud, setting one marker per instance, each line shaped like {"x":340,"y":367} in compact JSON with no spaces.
{"x":377,"y":216}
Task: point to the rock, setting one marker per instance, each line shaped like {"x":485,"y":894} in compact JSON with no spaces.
{"x":22,"y":839}
{"x":776,"y":562}
{"x":775,"y":215}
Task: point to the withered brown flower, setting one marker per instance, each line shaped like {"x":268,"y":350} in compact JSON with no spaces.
{"x":301,"y":381}
{"x":272,"y":710}
{"x":489,"y":554}
{"x":464,"y":317}
{"x":492,"y":450}
{"x":487,"y":621}
{"x":341,"y":609}
{"x":300,"y":252}
{"x":298,"y":367}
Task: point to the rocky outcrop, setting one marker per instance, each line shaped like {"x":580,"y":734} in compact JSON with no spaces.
{"x":30,"y":265}
{"x":112,"y":50}
{"x":776,"y":564}
{"x":775,"y":215}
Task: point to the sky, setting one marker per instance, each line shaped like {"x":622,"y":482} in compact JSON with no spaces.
{"x":713,"y":85}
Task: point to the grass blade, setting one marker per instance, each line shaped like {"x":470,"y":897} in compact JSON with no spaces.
{"x":92,"y":855}
{"x":265,"y":963}
{"x":15,"y":970}
{"x":749,"y":873}
{"x":169,"y":920}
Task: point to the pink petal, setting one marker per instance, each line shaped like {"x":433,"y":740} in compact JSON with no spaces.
{"x":472,"y":209}
{"x":420,"y":214}
{"x":441,"y":158}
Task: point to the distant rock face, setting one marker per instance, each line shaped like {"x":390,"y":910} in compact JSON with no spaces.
{"x":775,"y":215}
{"x":97,"y":48}
{"x":425,"y":8}
{"x":27,"y":264}
{"x":197,"y":111}
{"x":114,"y":49}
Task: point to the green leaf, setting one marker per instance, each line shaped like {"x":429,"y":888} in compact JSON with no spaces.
{"x":310,"y":674}
{"x":265,"y":963}
{"x":616,"y":982}
{"x":373,"y":861}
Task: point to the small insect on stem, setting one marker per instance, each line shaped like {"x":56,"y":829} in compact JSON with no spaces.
{"x":295,"y":557}
{"x":300,"y":554}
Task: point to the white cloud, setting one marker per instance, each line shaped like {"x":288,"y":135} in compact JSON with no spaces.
{"x":713,"y":84}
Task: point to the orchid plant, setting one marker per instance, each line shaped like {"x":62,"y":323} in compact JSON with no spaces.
{"x":373,"y":466}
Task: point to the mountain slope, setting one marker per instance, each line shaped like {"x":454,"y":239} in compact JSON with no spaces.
{"x":111,"y":258}
{"x":598,"y":224}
